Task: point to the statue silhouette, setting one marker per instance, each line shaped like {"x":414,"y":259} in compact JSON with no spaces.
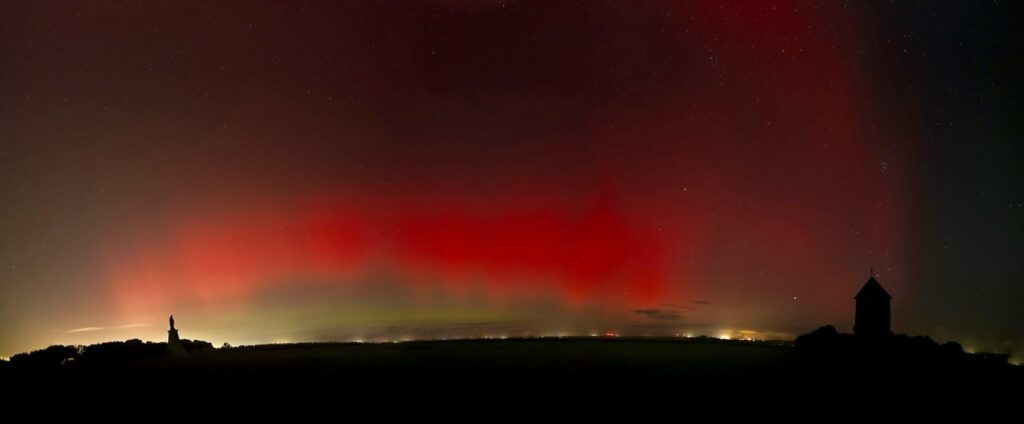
{"x":174,"y":346}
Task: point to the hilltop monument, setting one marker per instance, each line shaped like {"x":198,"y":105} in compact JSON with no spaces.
{"x":873,"y":317}
{"x":174,"y":346}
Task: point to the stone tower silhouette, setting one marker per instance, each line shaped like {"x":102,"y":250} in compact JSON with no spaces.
{"x":873,"y":317}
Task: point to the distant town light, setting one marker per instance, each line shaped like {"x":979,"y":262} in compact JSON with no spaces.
{"x":748,"y":335}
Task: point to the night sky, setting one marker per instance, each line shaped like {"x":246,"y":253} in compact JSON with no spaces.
{"x":387,"y":170}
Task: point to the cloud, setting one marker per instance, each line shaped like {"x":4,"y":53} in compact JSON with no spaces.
{"x":701,"y":302}
{"x":662,"y":328}
{"x":678,"y":306}
{"x":659,"y":314}
{"x":119,"y":327}
{"x":86,"y":329}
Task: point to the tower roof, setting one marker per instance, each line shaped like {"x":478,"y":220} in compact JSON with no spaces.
{"x":872,"y":290}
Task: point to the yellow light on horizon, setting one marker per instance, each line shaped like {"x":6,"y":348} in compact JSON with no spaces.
{"x":748,"y":335}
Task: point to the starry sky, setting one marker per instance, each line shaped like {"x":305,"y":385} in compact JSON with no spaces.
{"x":389,"y":170}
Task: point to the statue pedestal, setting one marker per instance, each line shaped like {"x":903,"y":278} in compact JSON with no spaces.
{"x":174,"y":346}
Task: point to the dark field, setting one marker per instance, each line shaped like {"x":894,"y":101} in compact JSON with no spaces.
{"x":546,"y":364}
{"x":469,"y":359}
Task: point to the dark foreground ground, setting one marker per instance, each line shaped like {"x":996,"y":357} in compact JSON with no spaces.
{"x":543,"y":368}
